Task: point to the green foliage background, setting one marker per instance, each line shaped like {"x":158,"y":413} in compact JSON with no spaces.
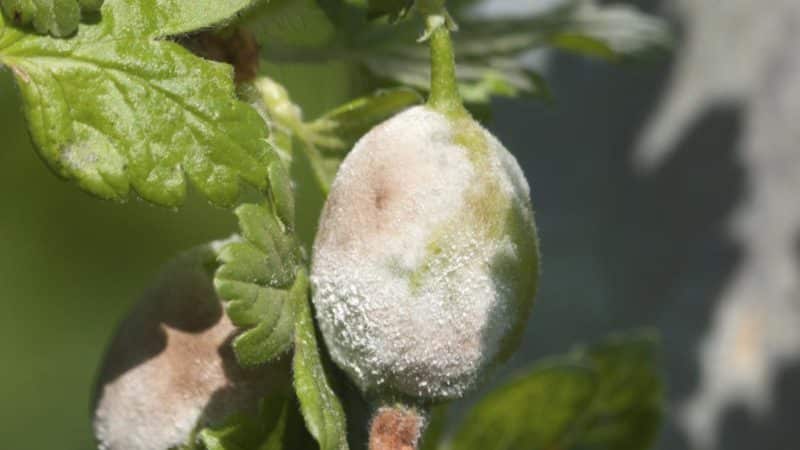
{"x":70,"y":267}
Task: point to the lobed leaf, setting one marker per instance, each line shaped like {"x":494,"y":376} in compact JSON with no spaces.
{"x":60,"y":18}
{"x":258,"y":275}
{"x":321,"y":408}
{"x":607,"y":397}
{"x":114,"y":109}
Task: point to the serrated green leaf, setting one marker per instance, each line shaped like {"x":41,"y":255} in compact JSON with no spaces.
{"x":278,"y":426}
{"x":114,"y":110}
{"x":256,"y":279}
{"x":60,"y":18}
{"x":607,"y":397}
{"x":319,"y":404}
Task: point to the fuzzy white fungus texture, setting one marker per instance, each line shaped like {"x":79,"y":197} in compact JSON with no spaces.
{"x":170,"y":368}
{"x":425,"y":264}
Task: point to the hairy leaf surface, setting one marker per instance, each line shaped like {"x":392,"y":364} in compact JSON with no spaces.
{"x":319,"y":404}
{"x":60,"y":18}
{"x":114,"y":109}
{"x":258,"y":274}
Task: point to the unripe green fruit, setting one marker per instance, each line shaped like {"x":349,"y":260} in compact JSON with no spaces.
{"x":426,"y":261}
{"x":170,"y":367}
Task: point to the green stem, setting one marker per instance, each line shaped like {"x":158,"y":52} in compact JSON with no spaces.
{"x":444,"y":96}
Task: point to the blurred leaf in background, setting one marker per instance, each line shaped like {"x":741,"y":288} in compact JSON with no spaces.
{"x":604,"y":397}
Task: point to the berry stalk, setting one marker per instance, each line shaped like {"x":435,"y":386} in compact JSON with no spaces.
{"x":444,"y":96}
{"x":395,"y":428}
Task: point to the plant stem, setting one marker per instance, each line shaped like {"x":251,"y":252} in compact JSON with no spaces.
{"x":444,"y":96}
{"x":396,"y":428}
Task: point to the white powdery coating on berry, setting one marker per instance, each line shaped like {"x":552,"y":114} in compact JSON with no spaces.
{"x":170,"y":368}
{"x":404,"y":287}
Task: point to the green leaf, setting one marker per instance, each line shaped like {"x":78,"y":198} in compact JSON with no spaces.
{"x":60,"y":18}
{"x":257,"y":278}
{"x":341,"y":128}
{"x":478,"y":81}
{"x":612,"y":31}
{"x":289,"y":23}
{"x":534,"y":411}
{"x":278,"y":426}
{"x":627,"y":408}
{"x":113,"y":110}
{"x":607,"y":397}
{"x":489,"y":51}
{"x":319,"y":404}
{"x":151,"y":18}
{"x":327,"y":140}
{"x":579,"y":26}
{"x":393,"y":8}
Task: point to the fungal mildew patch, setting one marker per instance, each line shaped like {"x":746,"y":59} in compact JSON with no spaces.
{"x":170,"y":367}
{"x":404,"y":270}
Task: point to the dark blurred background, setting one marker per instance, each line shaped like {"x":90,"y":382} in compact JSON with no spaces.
{"x":666,"y":195}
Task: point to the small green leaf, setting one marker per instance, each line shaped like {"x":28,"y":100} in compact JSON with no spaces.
{"x":256,"y":279}
{"x":319,"y":404}
{"x":327,"y":140}
{"x":341,"y":128}
{"x":607,"y":397}
{"x":278,"y":426}
{"x":478,"y":80}
{"x":60,"y":18}
{"x":393,"y":8}
{"x":114,"y":110}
